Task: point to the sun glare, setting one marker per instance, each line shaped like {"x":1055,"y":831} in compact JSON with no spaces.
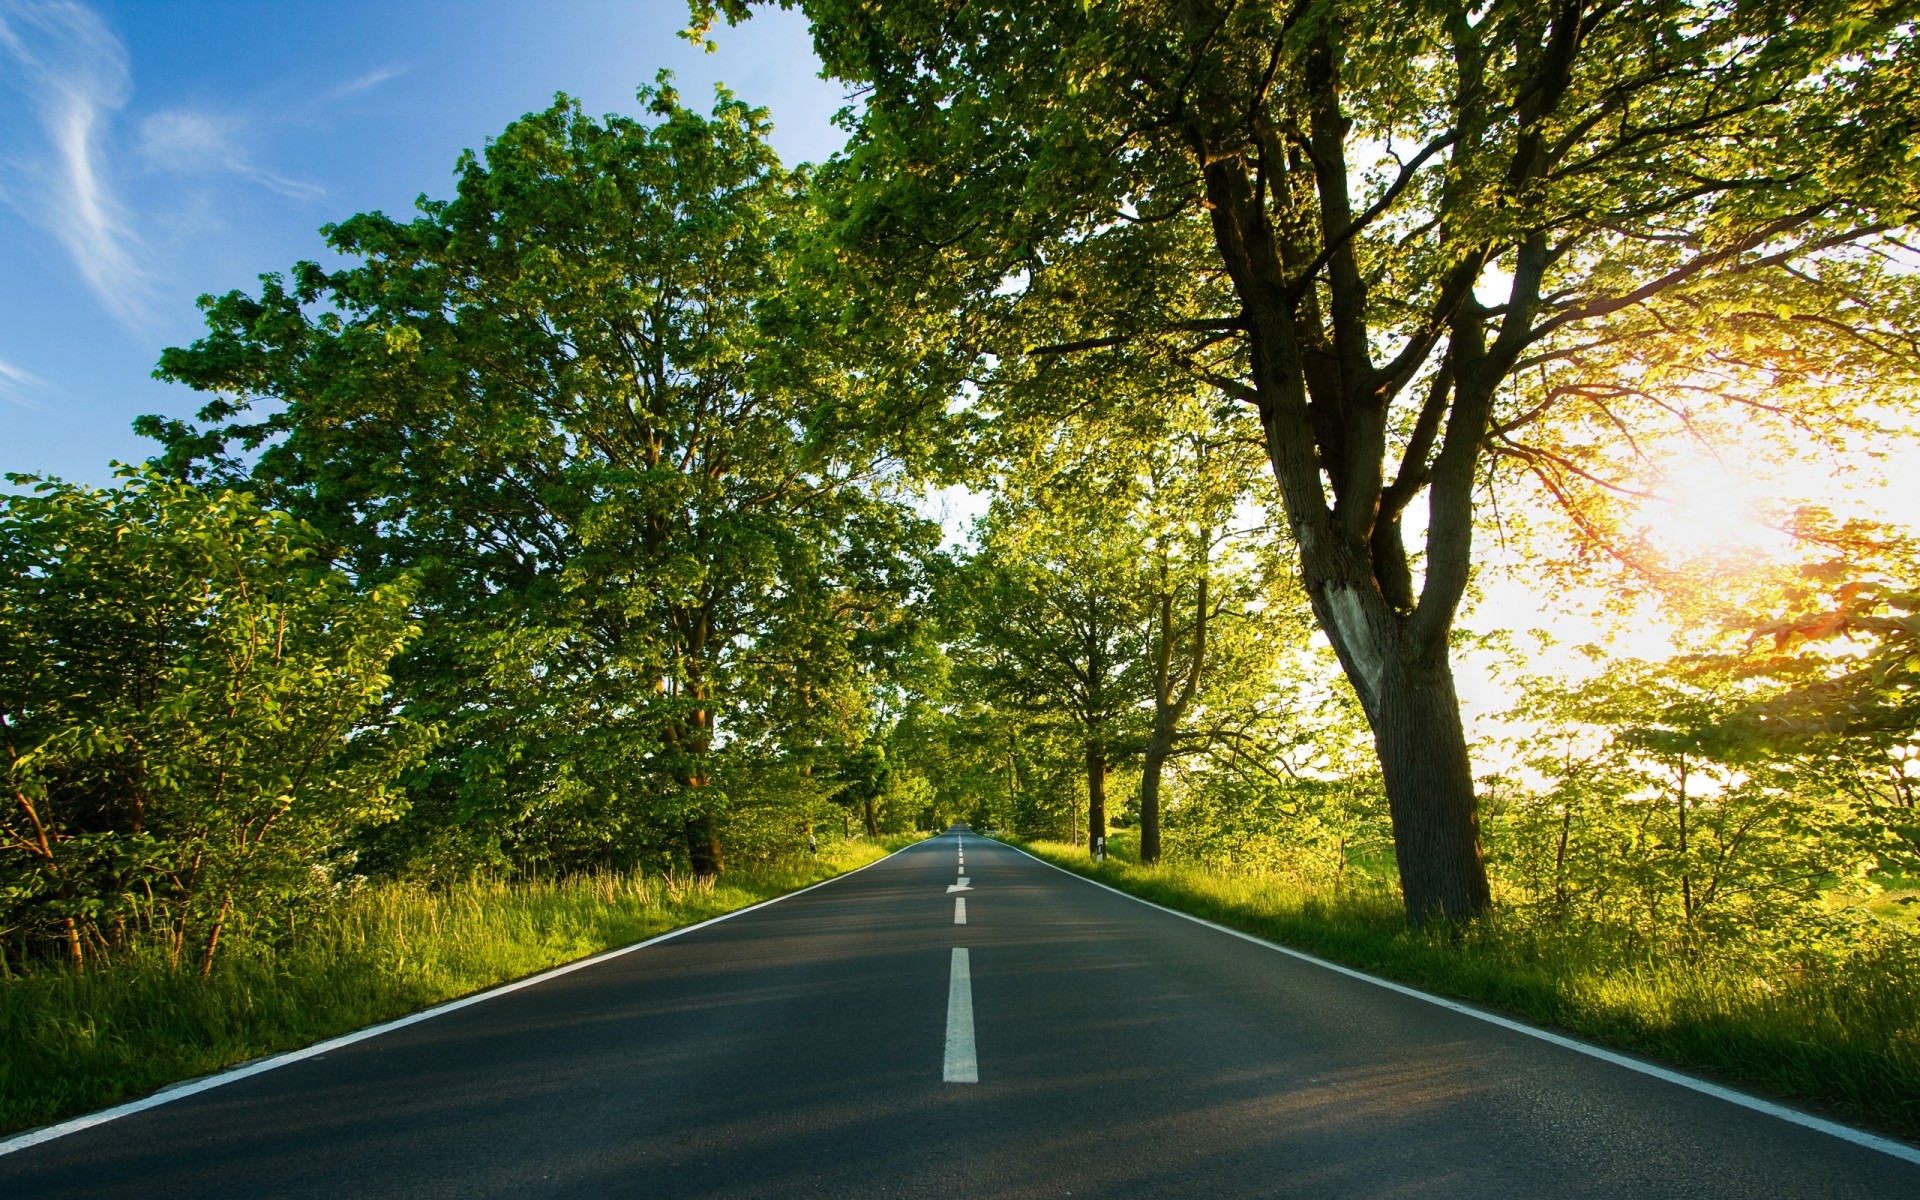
{"x":1707,"y":508}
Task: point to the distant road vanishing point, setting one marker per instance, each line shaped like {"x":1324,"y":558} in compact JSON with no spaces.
{"x":958,"y":1020}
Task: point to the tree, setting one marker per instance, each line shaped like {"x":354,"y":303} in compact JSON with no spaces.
{"x":585,"y":400}
{"x":1053,"y":601}
{"x":1666,"y":814}
{"x":1221,"y":613}
{"x":194,"y":713}
{"x":1850,"y":721}
{"x":1408,"y":209}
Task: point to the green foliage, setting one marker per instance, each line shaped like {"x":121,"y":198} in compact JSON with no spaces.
{"x":1655,"y":815}
{"x":1753,"y":793}
{"x":585,"y":401}
{"x":1410,"y":239}
{"x":195,"y":713}
{"x":1311,"y":832}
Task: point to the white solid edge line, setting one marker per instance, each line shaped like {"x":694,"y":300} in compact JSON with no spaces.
{"x":1845,"y":1133}
{"x":206,"y":1083}
{"x":962,"y":1063}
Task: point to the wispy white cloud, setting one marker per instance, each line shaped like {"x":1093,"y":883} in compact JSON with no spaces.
{"x":372,"y":79}
{"x":189,"y":140}
{"x":74,"y":75}
{"x":73,"y":72}
{"x":20,"y":386}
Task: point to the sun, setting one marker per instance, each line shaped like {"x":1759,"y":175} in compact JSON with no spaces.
{"x":1715,"y":507}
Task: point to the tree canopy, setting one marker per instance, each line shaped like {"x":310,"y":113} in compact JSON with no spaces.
{"x":579,"y":401}
{"x":1420,"y":230}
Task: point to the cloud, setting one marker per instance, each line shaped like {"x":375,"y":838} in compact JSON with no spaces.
{"x":73,"y":72}
{"x":188,"y":140}
{"x":18,"y":385}
{"x":372,"y":79}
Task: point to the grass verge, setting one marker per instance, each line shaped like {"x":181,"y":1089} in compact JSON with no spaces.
{"x":73,"y":1043}
{"x":1841,"y":1035}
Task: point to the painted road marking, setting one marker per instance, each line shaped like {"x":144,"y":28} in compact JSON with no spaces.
{"x":193,"y":1087}
{"x":1792,"y":1116}
{"x":959,"y":910}
{"x":963,"y":1064}
{"x":958,"y":887}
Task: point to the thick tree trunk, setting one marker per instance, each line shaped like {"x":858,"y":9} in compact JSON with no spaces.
{"x":703,"y":847}
{"x":1326,"y":408}
{"x":1429,"y":779}
{"x":696,"y":740}
{"x":873,"y":819}
{"x":1159,"y":749}
{"x":1096,"y":795}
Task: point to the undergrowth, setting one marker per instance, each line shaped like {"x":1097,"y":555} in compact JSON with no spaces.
{"x":73,"y":1042}
{"x":1838,"y":1029}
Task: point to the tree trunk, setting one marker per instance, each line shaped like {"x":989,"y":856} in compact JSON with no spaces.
{"x":696,"y":740}
{"x":703,"y":847}
{"x":1686,"y":876}
{"x":213,"y":936}
{"x":1096,"y":795}
{"x":1325,"y":409}
{"x":1429,"y":778}
{"x":873,"y":818}
{"x":1159,"y":749}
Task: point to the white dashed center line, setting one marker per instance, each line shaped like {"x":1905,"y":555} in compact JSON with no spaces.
{"x":959,"y":910}
{"x":963,"y":1064}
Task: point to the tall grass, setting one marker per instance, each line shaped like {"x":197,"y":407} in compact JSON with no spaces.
{"x":1838,"y":1030}
{"x":72,"y":1042}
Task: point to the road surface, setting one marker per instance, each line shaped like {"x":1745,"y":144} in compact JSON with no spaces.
{"x":859,"y":1040}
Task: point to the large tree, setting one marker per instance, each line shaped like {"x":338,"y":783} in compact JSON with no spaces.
{"x":582,"y":399}
{"x":1413,"y":213}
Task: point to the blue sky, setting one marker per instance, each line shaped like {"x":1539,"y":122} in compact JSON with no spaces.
{"x":155,"y":150}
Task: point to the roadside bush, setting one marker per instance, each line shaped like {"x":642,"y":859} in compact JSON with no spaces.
{"x":192,"y":707}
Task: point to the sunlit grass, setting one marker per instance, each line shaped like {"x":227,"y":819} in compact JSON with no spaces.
{"x":76,"y":1042}
{"x":1840,"y":1031}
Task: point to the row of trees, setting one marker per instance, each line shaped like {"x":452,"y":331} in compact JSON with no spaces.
{"x":1248,"y":316}
{"x":1425,"y":245}
{"x":571,"y":430}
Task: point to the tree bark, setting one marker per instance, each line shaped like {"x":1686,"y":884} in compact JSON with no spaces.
{"x":213,"y":936}
{"x":1429,"y":780}
{"x":1096,"y":794}
{"x":703,"y":847}
{"x":873,"y":818}
{"x":695,"y":740}
{"x":1395,"y":655}
{"x":1170,"y":704}
{"x":1159,"y":749}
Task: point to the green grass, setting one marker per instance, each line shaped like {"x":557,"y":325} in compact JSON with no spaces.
{"x":77,"y":1042}
{"x":1840,"y":1033}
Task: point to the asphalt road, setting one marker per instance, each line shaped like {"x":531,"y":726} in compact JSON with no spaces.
{"x":804,"y":1049}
